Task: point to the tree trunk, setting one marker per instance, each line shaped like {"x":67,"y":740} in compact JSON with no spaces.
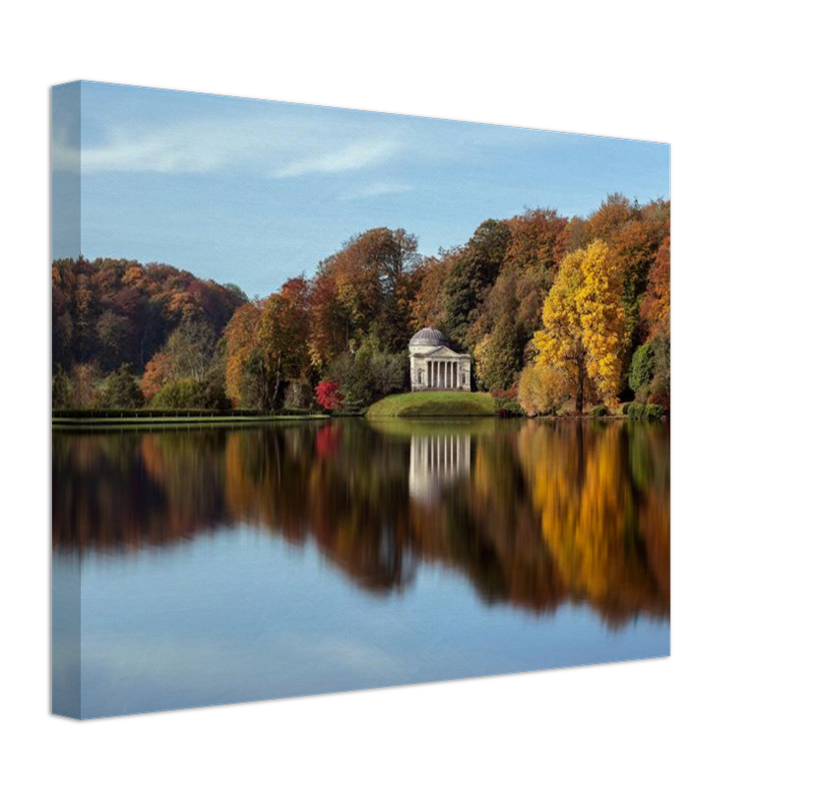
{"x":581,"y":378}
{"x":276,"y":382}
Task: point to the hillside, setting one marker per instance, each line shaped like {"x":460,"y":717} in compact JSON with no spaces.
{"x":113,"y":311}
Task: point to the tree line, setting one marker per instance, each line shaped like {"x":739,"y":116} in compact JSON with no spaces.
{"x":558,"y":314}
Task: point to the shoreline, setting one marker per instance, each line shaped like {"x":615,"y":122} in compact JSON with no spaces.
{"x":113,"y":423}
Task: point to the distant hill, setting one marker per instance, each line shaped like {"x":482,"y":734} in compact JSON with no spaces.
{"x":114,"y":311}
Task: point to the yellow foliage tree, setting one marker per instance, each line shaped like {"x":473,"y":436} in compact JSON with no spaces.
{"x":541,"y":390}
{"x":583,"y":322}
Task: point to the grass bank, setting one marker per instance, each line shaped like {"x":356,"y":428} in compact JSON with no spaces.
{"x":173,"y":421}
{"x":434,"y":404}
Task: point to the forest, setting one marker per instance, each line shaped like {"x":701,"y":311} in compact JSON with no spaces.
{"x":561,"y":315}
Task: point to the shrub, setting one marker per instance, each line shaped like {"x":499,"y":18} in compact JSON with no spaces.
{"x":599,"y":411}
{"x":649,"y":411}
{"x":654,"y":411}
{"x":328,"y":395}
{"x":506,"y":403}
{"x":541,"y":390}
{"x":624,"y":409}
{"x":183,"y":393}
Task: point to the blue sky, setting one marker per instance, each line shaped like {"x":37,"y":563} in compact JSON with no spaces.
{"x":253,"y":192}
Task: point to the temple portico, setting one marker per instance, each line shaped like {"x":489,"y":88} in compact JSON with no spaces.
{"x":434,"y":365}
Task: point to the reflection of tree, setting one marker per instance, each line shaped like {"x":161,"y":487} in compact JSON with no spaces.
{"x":130,"y":491}
{"x":541,"y":514}
{"x":651,"y":466}
{"x":591,"y":517}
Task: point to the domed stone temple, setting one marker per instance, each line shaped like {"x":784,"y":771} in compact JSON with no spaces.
{"x":435,"y":365}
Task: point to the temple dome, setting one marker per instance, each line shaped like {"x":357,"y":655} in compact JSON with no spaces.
{"x":428,"y":337}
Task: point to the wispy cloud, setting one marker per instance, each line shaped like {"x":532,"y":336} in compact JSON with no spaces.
{"x":346,"y":159}
{"x":252,"y":146}
{"x":378,"y":188}
{"x":64,"y":158}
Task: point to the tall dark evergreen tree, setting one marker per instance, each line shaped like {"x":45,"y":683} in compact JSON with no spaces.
{"x":472,"y":274}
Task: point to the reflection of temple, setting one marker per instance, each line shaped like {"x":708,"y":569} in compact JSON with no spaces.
{"x":435,"y":462}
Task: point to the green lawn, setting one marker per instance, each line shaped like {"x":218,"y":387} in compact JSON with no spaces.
{"x":435,"y":404}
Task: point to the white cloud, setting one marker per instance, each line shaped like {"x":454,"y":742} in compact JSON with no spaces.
{"x":261,"y":147}
{"x":351,"y":157}
{"x":274,"y":140}
{"x":378,"y":188}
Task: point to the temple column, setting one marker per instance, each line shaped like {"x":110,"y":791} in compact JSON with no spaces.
{"x":447,"y":366}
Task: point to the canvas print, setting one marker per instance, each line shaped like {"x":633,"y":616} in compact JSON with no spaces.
{"x":346,"y":400}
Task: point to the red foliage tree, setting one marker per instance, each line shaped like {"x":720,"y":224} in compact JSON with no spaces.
{"x":328,"y":395}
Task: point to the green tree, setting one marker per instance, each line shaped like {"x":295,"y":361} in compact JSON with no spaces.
{"x":121,"y":390}
{"x":472,"y":274}
{"x":499,"y":355}
{"x":61,"y":391}
{"x":369,"y":374}
{"x":642,"y":367}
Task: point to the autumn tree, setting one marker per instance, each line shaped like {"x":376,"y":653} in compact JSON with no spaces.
{"x":240,"y":346}
{"x":331,"y":325}
{"x":367,"y":287}
{"x":111,"y":311}
{"x":283,"y":336}
{"x":538,"y":243}
{"x":328,"y":395}
{"x":583,"y":323}
{"x":614,"y":213}
{"x":542,"y":389}
{"x":267,"y":346}
{"x":156,"y":374}
{"x":656,"y":305}
{"x":428,"y":304}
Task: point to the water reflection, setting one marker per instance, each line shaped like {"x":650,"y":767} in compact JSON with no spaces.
{"x":534,"y":514}
{"x":435,"y":462}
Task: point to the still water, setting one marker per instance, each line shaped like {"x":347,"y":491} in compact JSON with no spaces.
{"x":227,"y":565}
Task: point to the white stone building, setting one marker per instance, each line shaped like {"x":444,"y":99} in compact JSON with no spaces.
{"x":434,"y":365}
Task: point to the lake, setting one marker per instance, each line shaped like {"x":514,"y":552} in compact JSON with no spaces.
{"x":222,"y":565}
